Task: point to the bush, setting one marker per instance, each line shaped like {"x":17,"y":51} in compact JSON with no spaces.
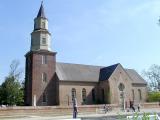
{"x":153,"y":97}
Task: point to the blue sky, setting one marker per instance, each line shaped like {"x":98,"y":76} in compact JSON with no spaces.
{"x":96,"y":32}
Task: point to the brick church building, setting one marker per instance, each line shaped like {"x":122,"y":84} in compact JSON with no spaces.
{"x":49,"y":83}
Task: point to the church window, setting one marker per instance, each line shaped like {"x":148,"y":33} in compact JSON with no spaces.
{"x":93,"y":95}
{"x":121,"y":87}
{"x":133,"y":94}
{"x":44,"y":77}
{"x":44,"y":59}
{"x":44,"y":99}
{"x":84,"y":95}
{"x":73,"y":93}
{"x":140,"y":94}
{"x":44,"y":41}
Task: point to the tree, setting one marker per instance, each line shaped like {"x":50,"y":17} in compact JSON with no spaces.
{"x":153,"y":77}
{"x":15,"y":71}
{"x":11,"y":90}
{"x":153,"y":97}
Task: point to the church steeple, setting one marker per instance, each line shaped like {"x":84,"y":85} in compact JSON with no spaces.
{"x":41,"y":86}
{"x":41,"y":11}
{"x":40,"y":37}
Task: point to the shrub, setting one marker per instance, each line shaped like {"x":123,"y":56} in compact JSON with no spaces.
{"x":153,"y":97}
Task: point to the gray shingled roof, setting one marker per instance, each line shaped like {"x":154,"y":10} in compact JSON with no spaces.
{"x":89,"y":73}
{"x":135,"y":76}
{"x":77,"y":72}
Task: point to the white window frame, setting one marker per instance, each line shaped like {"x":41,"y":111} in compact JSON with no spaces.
{"x":44,"y":59}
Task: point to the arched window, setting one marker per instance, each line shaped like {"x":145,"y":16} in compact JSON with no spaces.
{"x":103,"y":96}
{"x":140,"y":94}
{"x":93,"y":95}
{"x":121,"y":87}
{"x":44,"y":77}
{"x":133,"y":94}
{"x":73,"y":93}
{"x":44,"y":97}
{"x":83,"y":95}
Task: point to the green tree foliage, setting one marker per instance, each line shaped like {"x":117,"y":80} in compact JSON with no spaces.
{"x":153,"y":97}
{"x":11,"y":90}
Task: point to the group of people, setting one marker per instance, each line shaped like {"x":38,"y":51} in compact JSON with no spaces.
{"x":106,"y":108}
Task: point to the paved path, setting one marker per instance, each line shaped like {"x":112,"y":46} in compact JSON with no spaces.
{"x":69,"y":117}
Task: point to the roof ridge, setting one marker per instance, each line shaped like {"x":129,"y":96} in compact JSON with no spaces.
{"x":112,"y":65}
{"x":88,"y":64}
{"x":80,"y":64}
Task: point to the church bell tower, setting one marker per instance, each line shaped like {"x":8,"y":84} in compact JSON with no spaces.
{"x":41,"y":86}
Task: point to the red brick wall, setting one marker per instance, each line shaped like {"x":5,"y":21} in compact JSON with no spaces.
{"x":61,"y":110}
